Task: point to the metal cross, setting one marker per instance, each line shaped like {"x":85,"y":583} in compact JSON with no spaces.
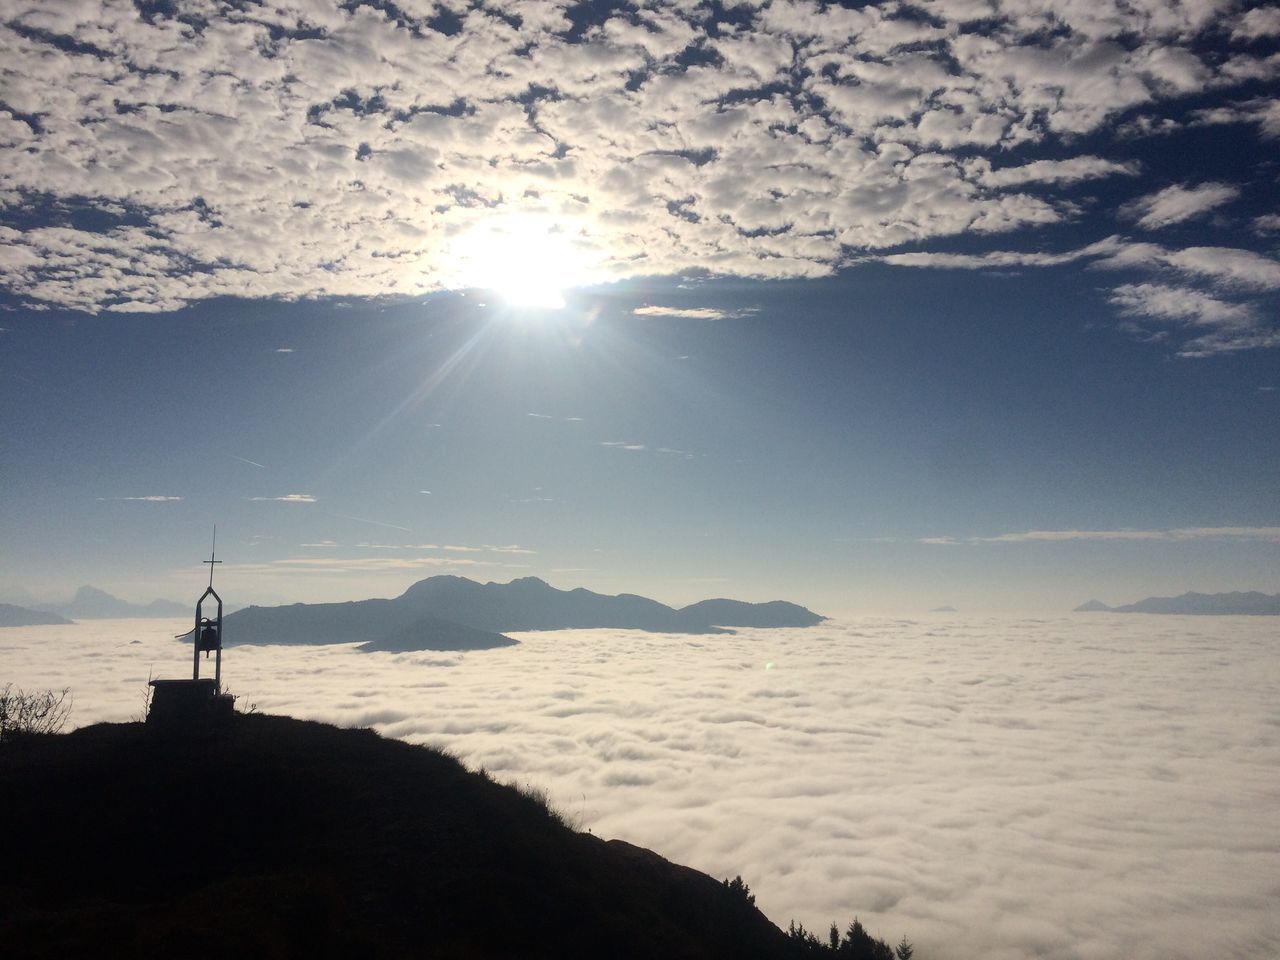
{"x":212,"y":553}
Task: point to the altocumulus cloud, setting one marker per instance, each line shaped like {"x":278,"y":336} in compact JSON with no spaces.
{"x":1198,"y":286}
{"x":285,"y":150}
{"x":1098,"y":786}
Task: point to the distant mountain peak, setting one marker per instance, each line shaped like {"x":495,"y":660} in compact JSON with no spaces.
{"x":92,"y":603}
{"x":93,"y":593}
{"x":1235,"y":603}
{"x":1091,"y":606}
{"x":12,"y":615}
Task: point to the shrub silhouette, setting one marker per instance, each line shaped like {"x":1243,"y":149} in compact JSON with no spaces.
{"x":40,"y":711}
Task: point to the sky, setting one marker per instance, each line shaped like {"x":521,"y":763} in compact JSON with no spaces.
{"x":873,"y":307}
{"x":1056,"y":788}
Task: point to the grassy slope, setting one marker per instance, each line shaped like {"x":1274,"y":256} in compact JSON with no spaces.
{"x":290,"y":839}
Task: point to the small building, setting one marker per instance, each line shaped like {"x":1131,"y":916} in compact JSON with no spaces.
{"x":198,"y":702}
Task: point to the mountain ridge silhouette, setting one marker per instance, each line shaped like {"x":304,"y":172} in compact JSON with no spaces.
{"x":1234,"y":603}
{"x":12,"y":615}
{"x":437,"y":613}
{"x":90,"y":603}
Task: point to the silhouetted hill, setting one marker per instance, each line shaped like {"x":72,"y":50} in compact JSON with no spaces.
{"x":280,"y":838}
{"x":1236,"y":603}
{"x":1091,"y":606}
{"x":533,"y":604}
{"x":15,"y":616}
{"x":90,"y":603}
{"x":735,"y":613}
{"x":381,"y":624}
{"x":493,"y":608}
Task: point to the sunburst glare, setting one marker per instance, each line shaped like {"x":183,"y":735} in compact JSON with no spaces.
{"x":527,"y":260}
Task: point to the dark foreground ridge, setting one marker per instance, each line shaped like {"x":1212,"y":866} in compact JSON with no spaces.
{"x":282,"y":838}
{"x":454,"y":613}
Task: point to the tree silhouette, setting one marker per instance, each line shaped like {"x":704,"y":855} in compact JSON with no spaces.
{"x":738,"y":887}
{"x":860,"y":945}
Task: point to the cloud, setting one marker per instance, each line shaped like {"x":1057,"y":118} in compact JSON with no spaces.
{"x":1234,"y":326}
{"x":1177,"y":534}
{"x":355,"y":565}
{"x":1267,"y":223}
{"x":512,"y":548}
{"x":1176,"y":204}
{"x":547,"y":416}
{"x":148,"y":499}
{"x":324,"y":150}
{"x":1228,"y":271}
{"x":1072,"y":170}
{"x":688,"y":313}
{"x":1226,"y":265}
{"x":1264,"y":112}
{"x":1004,"y":788}
{"x":287,"y":498}
{"x":1004,"y":259}
{"x":284,"y":350}
{"x":1255,"y":23}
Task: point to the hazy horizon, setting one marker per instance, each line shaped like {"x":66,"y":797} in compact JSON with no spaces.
{"x":341,"y":591}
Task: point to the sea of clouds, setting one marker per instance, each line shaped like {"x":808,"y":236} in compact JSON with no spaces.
{"x":1093,"y":787}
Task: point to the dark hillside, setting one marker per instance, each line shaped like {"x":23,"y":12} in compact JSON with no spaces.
{"x":290,"y":839}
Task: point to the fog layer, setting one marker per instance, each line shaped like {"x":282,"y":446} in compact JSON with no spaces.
{"x":1087,"y":787}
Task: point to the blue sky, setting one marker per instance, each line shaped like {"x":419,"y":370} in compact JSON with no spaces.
{"x":875,"y":309}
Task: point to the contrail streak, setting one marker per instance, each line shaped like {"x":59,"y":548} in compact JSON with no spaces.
{"x":376,"y":523}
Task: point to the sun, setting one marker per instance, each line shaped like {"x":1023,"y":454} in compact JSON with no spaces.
{"x":527,"y":260}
